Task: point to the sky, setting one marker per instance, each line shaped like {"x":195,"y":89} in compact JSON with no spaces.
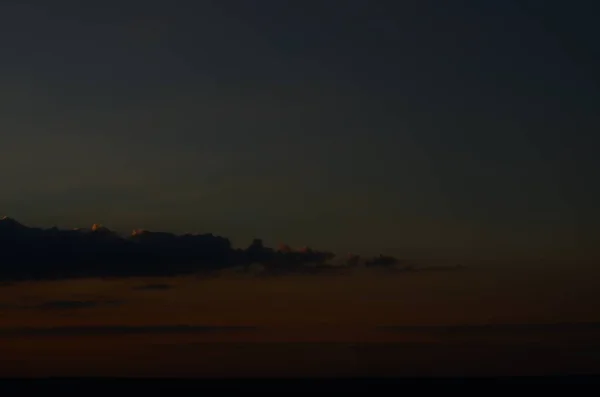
{"x":377,"y":126}
{"x":443,"y":132}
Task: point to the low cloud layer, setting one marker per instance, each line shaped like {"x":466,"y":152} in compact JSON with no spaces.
{"x":75,"y":304}
{"x":121,"y":330}
{"x":479,"y":328}
{"x":69,"y":304}
{"x":50,"y":254}
{"x":153,"y":287}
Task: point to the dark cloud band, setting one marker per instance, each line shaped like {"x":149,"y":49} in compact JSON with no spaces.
{"x":47,"y":254}
{"x":122,"y":330}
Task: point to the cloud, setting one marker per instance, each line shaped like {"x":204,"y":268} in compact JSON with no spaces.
{"x":477,"y":328}
{"x":51,"y":254}
{"x":400,"y":268}
{"x":442,"y":268}
{"x":153,"y":287}
{"x":123,"y":330}
{"x":65,"y":304}
{"x":74,"y":304}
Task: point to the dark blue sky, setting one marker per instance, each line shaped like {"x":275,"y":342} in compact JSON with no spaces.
{"x":458,"y":128}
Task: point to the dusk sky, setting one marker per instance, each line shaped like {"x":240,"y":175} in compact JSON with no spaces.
{"x":442,"y":132}
{"x":353,"y":125}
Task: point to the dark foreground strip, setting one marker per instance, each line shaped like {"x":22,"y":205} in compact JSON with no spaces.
{"x":213,"y":387}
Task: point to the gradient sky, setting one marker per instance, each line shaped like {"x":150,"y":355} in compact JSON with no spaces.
{"x":446,"y":130}
{"x":397,"y":127}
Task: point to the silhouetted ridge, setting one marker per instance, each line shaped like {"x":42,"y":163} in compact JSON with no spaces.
{"x":28,"y":253}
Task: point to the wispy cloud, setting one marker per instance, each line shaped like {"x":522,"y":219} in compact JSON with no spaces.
{"x":567,"y":326}
{"x":75,"y":304}
{"x":123,"y":330}
{"x":72,"y":304}
{"x":153,"y":287}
